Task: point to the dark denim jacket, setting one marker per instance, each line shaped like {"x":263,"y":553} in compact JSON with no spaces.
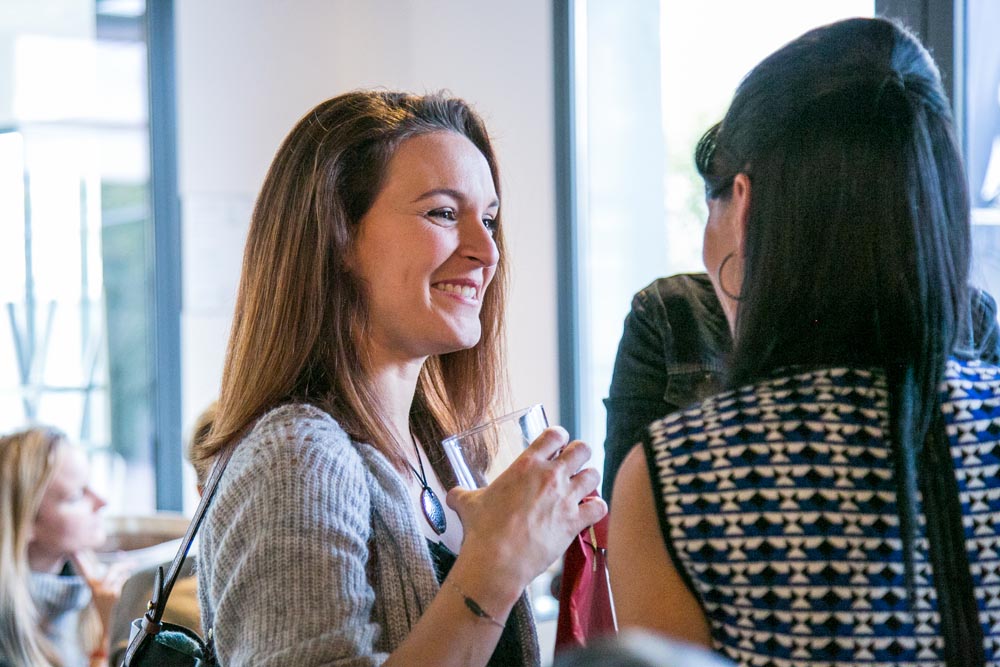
{"x":673,"y":351}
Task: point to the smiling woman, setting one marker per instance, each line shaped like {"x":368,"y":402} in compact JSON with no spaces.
{"x":368,"y":326}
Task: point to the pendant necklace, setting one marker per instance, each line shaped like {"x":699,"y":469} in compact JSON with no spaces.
{"x":430,"y":505}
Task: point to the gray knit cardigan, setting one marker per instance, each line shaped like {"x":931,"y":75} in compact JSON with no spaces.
{"x":311,"y":554}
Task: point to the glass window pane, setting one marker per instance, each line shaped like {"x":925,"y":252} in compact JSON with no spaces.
{"x":75,"y":275}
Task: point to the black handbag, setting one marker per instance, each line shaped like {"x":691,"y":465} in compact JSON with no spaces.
{"x":156,"y":643}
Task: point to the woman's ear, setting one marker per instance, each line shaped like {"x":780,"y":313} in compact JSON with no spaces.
{"x":739,"y":204}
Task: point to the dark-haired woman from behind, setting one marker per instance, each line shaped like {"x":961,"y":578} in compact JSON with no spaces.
{"x":838,"y":505}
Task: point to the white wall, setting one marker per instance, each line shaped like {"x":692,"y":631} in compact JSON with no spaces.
{"x":248,"y":69}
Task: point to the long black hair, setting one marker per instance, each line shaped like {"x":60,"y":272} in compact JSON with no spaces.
{"x":856,"y":252}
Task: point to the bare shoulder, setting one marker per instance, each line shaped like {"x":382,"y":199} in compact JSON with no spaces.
{"x":648,"y":589}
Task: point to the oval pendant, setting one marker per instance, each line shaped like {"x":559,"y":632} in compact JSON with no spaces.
{"x":433,"y":510}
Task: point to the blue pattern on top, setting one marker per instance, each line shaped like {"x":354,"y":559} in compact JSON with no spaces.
{"x":779,"y":505}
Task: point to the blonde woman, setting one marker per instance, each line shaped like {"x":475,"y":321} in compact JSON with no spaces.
{"x":367,"y":327}
{"x":54,"y":606}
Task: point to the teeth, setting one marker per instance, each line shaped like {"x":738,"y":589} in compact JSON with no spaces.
{"x":464,"y":290}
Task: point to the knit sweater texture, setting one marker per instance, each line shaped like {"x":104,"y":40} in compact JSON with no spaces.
{"x":60,"y":600}
{"x":311,"y":553}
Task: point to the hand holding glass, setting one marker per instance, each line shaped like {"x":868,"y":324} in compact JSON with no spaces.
{"x":506,"y":438}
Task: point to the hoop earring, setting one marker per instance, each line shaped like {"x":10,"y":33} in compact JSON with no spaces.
{"x":722,"y":285}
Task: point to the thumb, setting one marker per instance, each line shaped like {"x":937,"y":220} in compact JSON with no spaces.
{"x":457,"y":499}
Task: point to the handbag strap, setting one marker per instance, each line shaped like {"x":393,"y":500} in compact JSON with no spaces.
{"x":162,"y":586}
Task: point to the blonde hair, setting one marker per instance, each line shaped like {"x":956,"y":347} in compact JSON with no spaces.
{"x":27,"y":463}
{"x":301,"y":315}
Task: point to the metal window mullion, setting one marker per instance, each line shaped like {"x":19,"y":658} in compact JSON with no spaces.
{"x":166,"y":297}
{"x":567,"y":243}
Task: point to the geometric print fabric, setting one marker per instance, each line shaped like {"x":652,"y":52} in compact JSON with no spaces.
{"x":777,"y":504}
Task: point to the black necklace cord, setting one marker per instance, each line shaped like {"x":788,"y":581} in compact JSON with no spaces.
{"x":422,"y":475}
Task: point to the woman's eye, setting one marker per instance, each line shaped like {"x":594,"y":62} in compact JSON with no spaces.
{"x":491,"y":225}
{"x":444,"y":214}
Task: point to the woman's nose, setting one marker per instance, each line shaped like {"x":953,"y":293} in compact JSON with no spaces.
{"x":478,"y":243}
{"x":97,"y":501}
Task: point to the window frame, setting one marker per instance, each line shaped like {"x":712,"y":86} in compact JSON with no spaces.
{"x":567,"y":215}
{"x":166,"y":256}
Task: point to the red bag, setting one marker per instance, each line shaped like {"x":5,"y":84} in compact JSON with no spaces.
{"x":586,"y":610}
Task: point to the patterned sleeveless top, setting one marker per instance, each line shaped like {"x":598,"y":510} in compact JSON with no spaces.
{"x":777,"y":504}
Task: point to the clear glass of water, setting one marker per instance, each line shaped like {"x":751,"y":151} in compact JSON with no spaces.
{"x":480,"y":454}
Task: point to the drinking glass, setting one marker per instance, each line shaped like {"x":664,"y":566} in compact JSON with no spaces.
{"x":501,"y":440}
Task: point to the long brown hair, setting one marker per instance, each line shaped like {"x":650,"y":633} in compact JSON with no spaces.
{"x":301,"y":315}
